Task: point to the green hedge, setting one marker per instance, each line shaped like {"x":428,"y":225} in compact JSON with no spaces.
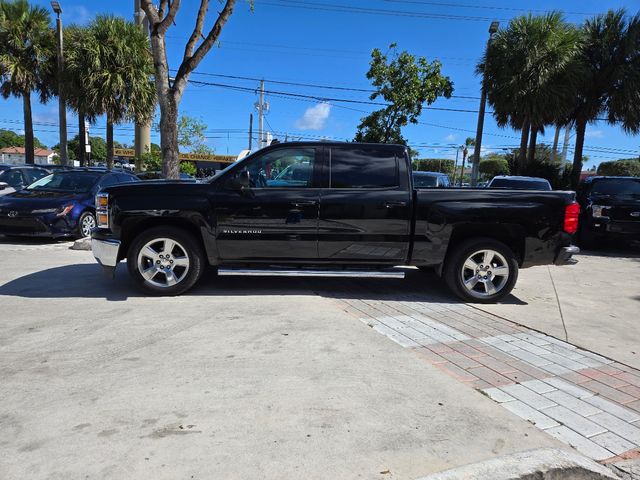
{"x":443,"y":165}
{"x":625,"y":168}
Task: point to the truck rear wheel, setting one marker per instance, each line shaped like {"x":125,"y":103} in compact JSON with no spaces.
{"x":481,"y":270}
{"x":165,"y":261}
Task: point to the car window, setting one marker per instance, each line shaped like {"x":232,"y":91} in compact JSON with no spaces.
{"x":360,"y":167}
{"x":519,"y":184}
{"x":108,"y":180}
{"x":425,"y":181}
{"x":125,"y":178}
{"x":12,"y":177}
{"x":282,"y":168}
{"x":616,"y":186}
{"x":33,"y":174}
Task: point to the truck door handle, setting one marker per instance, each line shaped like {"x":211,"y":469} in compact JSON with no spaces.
{"x":395,"y":204}
{"x":305,"y":203}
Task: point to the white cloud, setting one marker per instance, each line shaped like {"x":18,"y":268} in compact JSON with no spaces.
{"x":314,"y":117}
{"x":78,"y":14}
{"x":451,"y":137}
{"x":594,"y":134}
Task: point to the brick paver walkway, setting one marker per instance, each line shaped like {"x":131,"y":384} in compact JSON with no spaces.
{"x":585,"y":400}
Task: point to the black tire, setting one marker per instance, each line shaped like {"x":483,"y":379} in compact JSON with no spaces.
{"x":187,"y":250}
{"x":456,"y":270}
{"x":85,"y":218}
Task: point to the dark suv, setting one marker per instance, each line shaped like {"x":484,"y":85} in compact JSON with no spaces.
{"x":609,"y":208}
{"x":14,"y":178}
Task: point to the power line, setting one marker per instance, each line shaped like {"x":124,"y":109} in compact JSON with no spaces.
{"x":483,"y":7}
{"x":331,"y":7}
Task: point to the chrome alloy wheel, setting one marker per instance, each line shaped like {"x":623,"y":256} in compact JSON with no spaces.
{"x":163,"y":262}
{"x":88,"y":223}
{"x":485,"y":273}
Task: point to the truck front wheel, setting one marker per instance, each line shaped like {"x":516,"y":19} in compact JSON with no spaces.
{"x":165,"y":261}
{"x":481,"y":270}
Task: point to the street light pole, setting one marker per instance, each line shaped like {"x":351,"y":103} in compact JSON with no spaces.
{"x":493,"y":28}
{"x":62,"y":108}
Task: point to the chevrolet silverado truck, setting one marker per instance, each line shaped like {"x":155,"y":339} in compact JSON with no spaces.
{"x":332,"y":206}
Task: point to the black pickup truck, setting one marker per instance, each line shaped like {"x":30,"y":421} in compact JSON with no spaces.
{"x":330,"y":205}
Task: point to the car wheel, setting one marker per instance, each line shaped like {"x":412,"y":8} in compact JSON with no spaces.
{"x":86,"y":223}
{"x":165,"y":261}
{"x":481,"y":270}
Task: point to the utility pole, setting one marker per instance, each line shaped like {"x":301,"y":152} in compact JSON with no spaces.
{"x":455,"y":167}
{"x":493,"y":28}
{"x":261,"y":116}
{"x":556,"y":137}
{"x":62,"y":103}
{"x":142,"y":142}
{"x":250,"y":131}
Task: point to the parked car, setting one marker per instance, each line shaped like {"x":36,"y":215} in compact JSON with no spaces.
{"x":357,"y":207}
{"x":59,"y":205}
{"x":430,"y":180}
{"x":13,"y":178}
{"x":609,"y":209}
{"x":519,"y":183}
{"x":156,"y":175}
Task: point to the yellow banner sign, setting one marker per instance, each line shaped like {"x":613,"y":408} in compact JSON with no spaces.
{"x":200,"y":157}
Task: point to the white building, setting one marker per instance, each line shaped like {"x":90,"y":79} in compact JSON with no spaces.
{"x":16,"y":156}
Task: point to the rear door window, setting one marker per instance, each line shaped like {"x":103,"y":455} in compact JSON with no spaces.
{"x":360,"y":167}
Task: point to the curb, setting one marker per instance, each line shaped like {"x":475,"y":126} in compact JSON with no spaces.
{"x":539,"y":464}
{"x":81,"y":244}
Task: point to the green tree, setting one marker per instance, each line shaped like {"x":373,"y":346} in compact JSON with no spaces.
{"x":9,"y":138}
{"x":530,"y":74}
{"x":27,"y":53}
{"x":98,"y":148}
{"x":494,"y":165}
{"x":630,"y":168}
{"x":406,"y":84}
{"x":169,"y":95}
{"x":117,"y":82}
{"x":444,"y":165}
{"x":609,"y":80}
{"x":192,"y":135}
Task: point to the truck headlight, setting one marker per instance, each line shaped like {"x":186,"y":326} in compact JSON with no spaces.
{"x":102,"y":210}
{"x":599,"y":211}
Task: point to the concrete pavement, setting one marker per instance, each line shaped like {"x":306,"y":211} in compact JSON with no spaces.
{"x":242,"y":378}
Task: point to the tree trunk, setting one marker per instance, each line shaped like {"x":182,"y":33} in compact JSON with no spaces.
{"x":28,"y":129}
{"x":81,"y":153}
{"x":109,"y":142}
{"x":522,"y":154}
{"x":581,"y":127}
{"x":169,"y":137}
{"x":556,"y":138}
{"x":532,"y":145}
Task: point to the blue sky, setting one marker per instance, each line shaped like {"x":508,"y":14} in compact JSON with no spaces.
{"x":301,"y":41}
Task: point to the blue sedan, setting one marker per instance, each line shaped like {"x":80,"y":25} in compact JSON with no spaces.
{"x":59,"y":205}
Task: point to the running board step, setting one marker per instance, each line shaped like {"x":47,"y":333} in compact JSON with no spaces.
{"x":310,"y":273}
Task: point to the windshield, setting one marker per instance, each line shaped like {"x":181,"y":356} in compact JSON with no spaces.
{"x":77,"y":182}
{"x":616,"y":186}
{"x":520,"y":184}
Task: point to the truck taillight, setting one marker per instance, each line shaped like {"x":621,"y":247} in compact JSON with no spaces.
{"x":102,"y":210}
{"x":571,"y":213}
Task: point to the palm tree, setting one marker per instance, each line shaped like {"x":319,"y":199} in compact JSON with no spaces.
{"x":530,"y":75}
{"x":469,"y":142}
{"x":609,"y":83}
{"x":27,"y":58}
{"x":118,"y":81}
{"x":77,"y":69}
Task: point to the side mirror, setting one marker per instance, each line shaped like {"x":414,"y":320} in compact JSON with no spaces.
{"x":3,"y":185}
{"x":240,"y":181}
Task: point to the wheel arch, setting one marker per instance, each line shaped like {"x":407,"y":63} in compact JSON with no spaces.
{"x":513,"y":236}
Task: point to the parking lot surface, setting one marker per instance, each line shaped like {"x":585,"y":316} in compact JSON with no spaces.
{"x":276,"y":377}
{"x":247,"y":377}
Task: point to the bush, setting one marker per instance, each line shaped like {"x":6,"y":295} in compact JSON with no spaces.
{"x":624,"y":168}
{"x":494,"y":166}
{"x":443,"y":165}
